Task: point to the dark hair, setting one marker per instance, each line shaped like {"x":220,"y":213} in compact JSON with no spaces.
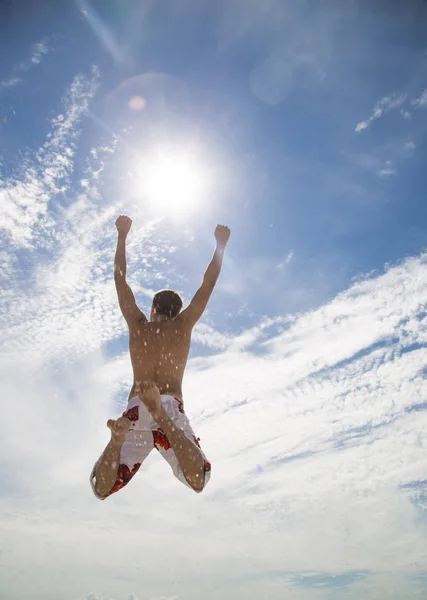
{"x":167,"y":302}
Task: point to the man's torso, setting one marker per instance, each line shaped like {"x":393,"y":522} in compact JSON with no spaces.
{"x":159,"y":353}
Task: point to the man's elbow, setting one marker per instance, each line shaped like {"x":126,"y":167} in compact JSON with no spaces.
{"x":119,"y":275}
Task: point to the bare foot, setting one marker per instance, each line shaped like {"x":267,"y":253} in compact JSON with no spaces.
{"x":119,"y":429}
{"x":149,"y":393}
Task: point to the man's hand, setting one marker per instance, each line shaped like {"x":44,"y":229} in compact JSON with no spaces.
{"x":222,"y":233}
{"x":123,"y":225}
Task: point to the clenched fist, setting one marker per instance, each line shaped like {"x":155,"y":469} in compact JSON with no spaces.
{"x":123,"y":225}
{"x":222,"y":233}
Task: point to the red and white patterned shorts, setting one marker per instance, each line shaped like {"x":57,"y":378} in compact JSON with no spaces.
{"x":143,"y":436}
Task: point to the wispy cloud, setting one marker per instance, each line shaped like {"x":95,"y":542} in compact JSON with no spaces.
{"x":421,"y":101}
{"x":24,"y":201}
{"x":9,"y":83}
{"x":393,"y":102}
{"x":382,"y":107}
{"x":37,"y":52}
{"x":389,"y":151}
{"x":387,"y":172}
{"x":287,"y":260}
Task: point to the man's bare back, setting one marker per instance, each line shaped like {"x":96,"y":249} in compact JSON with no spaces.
{"x":159,"y":353}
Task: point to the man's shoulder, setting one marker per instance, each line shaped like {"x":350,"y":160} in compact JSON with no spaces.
{"x":182,"y":321}
{"x":138,"y":324}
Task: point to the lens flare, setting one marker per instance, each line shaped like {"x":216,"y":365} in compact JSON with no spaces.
{"x":136,"y":102}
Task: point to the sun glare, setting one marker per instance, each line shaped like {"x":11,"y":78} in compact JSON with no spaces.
{"x":172,"y":184}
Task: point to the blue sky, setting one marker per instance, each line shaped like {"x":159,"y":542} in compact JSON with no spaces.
{"x":303,"y":127}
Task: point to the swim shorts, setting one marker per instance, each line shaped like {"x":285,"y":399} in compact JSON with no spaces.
{"x":144,"y":435}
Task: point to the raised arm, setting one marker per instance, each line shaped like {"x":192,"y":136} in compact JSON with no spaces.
{"x":197,"y":306}
{"x":127,"y":303}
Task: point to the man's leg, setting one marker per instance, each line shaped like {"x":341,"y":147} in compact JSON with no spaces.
{"x":188,"y":455}
{"x":108,"y":464}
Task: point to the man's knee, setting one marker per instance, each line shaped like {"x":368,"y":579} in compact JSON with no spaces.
{"x":198,"y":487}
{"x":98,"y":489}
{"x":100,"y":492}
{"x":198,"y":483}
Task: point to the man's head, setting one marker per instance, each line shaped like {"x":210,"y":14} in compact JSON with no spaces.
{"x":166,"y":303}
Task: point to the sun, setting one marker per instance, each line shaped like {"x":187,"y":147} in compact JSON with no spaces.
{"x":171,"y":183}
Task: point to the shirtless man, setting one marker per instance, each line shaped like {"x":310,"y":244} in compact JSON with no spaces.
{"x":159,"y":348}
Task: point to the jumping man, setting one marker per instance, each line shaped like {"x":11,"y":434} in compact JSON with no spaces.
{"x":159,"y":348}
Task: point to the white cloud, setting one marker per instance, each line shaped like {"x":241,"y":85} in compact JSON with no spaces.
{"x":24,"y":202}
{"x":421,"y":101}
{"x":208,"y":336}
{"x":287,"y":260}
{"x":9,"y":83}
{"x":361,"y":126}
{"x":389,"y":103}
{"x":382,"y":107}
{"x":37,"y":52}
{"x":387,"y":172}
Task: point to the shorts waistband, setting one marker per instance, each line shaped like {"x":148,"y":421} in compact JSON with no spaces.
{"x":180,"y":402}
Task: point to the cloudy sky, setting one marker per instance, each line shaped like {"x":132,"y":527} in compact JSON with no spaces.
{"x":302,"y":126}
